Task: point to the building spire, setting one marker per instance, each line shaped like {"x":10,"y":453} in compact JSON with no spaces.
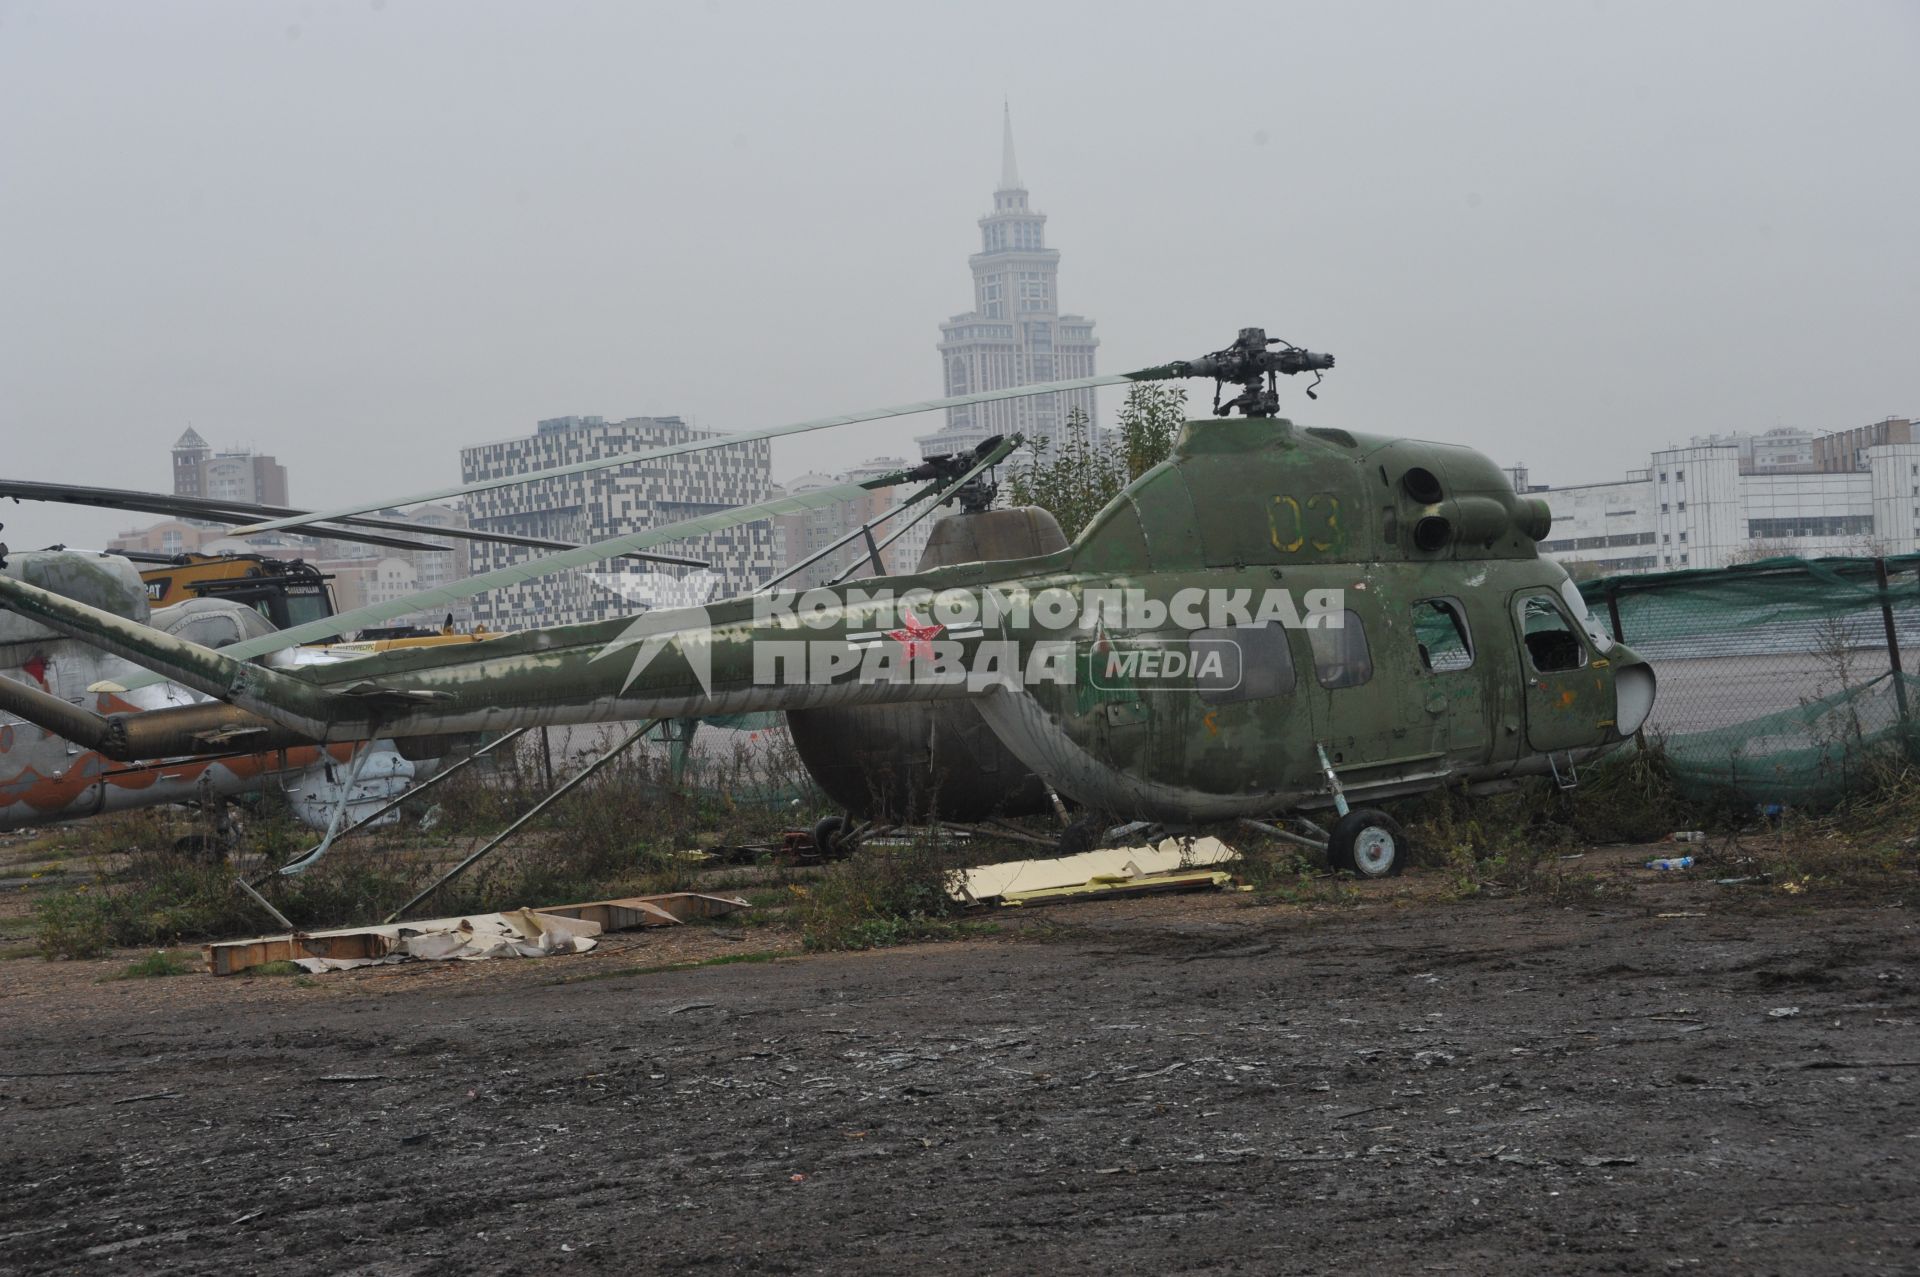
{"x":1009,"y":170}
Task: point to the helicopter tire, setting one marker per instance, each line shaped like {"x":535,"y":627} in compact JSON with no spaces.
{"x":1367,"y":843}
{"x":830,"y":838}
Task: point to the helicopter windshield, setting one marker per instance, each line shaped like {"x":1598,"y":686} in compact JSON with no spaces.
{"x":1577,"y":604}
{"x":1552,"y":644}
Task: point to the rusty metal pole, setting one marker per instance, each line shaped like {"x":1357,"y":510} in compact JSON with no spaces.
{"x":1893,"y":649}
{"x":573,"y":782}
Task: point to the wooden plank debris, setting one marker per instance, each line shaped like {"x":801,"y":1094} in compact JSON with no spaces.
{"x":361,"y":943}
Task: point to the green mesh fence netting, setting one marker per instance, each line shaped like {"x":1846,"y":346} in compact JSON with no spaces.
{"x":1776,"y":677}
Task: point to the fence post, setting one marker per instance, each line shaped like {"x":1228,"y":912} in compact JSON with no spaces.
{"x":1893,"y":648}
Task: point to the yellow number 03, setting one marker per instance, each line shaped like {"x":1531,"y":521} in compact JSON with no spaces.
{"x":1289,"y":520}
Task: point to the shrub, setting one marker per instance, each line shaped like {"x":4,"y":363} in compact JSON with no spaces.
{"x":883,"y":895}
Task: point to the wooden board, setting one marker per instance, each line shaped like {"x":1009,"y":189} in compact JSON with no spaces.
{"x":629,"y":914}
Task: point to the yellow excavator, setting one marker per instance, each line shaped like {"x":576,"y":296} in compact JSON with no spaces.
{"x":287,"y":592}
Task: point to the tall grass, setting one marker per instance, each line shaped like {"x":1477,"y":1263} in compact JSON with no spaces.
{"x":619,"y":833}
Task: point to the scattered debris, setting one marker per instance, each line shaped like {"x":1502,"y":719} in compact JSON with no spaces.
{"x":531,"y":933}
{"x":1175,"y":865}
{"x":1782,"y":1013}
{"x":1687,"y":835}
{"x":1671,"y":862}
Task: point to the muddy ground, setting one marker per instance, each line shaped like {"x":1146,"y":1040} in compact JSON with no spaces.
{"x":1409,"y":1084}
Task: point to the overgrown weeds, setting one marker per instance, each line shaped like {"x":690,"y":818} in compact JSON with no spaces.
{"x":1283,"y":873}
{"x":884,"y":895}
{"x":621,"y":833}
{"x":156,"y":964}
{"x":1867,"y":849}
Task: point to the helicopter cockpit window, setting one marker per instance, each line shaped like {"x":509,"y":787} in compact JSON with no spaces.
{"x":1440,"y":630}
{"x":1341,"y":657}
{"x":1262,"y":665}
{"x":1552,"y":643}
{"x":1577,"y":604}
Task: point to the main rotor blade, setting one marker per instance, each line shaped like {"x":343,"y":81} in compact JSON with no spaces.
{"x":200,"y":508}
{"x":238,"y":512}
{"x":722,"y":441}
{"x":514,"y":574}
{"x":943,"y":486}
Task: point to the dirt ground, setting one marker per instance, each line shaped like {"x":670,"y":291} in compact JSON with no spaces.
{"x":1192,"y":1084}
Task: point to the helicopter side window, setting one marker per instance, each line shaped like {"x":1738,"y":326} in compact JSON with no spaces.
{"x":1440,"y":631}
{"x":1552,"y":644}
{"x":1341,"y":657}
{"x":1259,"y":665}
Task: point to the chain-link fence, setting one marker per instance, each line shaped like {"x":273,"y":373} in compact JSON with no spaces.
{"x":1782,"y":681}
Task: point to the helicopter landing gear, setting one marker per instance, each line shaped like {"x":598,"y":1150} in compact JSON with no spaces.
{"x":832,"y":837}
{"x":1367,"y":843}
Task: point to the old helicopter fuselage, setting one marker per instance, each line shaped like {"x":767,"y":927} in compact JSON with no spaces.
{"x":47,"y":776}
{"x":1379,"y":600}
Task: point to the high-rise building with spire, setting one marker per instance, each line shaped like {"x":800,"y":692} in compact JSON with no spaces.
{"x":1015,"y":334}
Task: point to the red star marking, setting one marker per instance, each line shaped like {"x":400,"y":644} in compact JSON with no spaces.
{"x":917,"y":638}
{"x":38,"y":668}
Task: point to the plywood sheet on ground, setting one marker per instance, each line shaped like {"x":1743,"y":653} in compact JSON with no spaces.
{"x":1121,"y":864}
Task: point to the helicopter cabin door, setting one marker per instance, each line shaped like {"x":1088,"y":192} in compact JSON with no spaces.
{"x":1451,"y":693}
{"x":1360,"y":691}
{"x":1567,"y":700}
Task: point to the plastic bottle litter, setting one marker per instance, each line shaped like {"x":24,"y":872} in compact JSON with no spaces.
{"x":1687,"y":835}
{"x":1671,"y":862}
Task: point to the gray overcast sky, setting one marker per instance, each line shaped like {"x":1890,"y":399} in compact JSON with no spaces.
{"x":359,"y":234}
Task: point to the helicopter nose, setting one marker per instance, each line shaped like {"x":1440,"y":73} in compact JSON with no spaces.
{"x":1633,"y":691}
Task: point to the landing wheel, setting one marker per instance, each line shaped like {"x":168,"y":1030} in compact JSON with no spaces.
{"x":830,"y":838}
{"x":1368,"y":843}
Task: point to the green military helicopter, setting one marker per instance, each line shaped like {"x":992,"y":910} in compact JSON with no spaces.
{"x":1274,"y":621}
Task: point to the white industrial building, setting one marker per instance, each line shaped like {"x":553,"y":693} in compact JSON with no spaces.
{"x":1731,"y":498}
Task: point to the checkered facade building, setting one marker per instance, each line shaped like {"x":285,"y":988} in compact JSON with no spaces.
{"x":598,"y":504}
